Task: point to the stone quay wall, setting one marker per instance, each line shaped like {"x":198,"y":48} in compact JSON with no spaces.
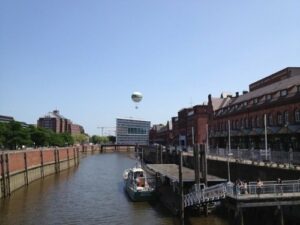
{"x":19,"y":168}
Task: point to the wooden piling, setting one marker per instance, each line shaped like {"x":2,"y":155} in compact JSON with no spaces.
{"x":68,"y":157}
{"x":161,"y":154}
{"x":42,"y":164}
{"x":2,"y":162}
{"x":26,"y":169}
{"x":181,"y":196}
{"x":157,"y":149}
{"x":196,"y":164}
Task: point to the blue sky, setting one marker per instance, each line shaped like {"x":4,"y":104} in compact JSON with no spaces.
{"x":86,"y":57}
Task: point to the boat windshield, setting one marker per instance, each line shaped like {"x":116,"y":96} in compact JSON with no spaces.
{"x":138,"y":174}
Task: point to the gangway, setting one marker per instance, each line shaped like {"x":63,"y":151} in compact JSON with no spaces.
{"x":269,"y":194}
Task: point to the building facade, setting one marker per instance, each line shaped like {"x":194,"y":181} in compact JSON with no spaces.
{"x":132,"y":132}
{"x":59,"y":124}
{"x":272,"y":104}
{"x":161,"y":134}
{"x":189,"y":127}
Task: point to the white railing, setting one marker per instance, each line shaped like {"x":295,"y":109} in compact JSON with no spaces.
{"x":271,"y":189}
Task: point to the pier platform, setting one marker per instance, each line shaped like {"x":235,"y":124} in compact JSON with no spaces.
{"x":171,"y":171}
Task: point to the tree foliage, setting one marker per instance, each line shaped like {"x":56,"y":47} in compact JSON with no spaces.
{"x":80,"y":138}
{"x":95,"y":139}
{"x":14,"y":136}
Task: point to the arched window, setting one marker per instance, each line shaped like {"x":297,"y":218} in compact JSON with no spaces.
{"x":246,"y":123}
{"x":286,"y":117}
{"x":258,"y":121}
{"x":279,"y":118}
{"x":297,"y":115}
{"x":270,"y":120}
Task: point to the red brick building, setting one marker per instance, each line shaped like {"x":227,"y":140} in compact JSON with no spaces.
{"x":161,"y":134}
{"x":190,"y":126}
{"x":59,"y":124}
{"x":276,"y":97}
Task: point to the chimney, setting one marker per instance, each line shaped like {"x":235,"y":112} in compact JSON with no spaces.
{"x":245,"y":92}
{"x":237,"y":94}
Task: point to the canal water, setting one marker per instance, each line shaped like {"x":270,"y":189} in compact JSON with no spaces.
{"x":89,"y":194}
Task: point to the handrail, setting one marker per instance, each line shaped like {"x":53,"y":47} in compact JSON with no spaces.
{"x":199,"y":194}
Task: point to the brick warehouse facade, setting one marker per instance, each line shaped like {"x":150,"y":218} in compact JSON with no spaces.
{"x":276,"y":97}
{"x":188,"y":127}
{"x":59,"y":124}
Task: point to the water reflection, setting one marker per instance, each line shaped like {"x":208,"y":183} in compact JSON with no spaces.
{"x":91,"y":193}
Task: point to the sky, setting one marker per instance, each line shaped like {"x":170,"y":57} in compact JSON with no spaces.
{"x":86,"y":57}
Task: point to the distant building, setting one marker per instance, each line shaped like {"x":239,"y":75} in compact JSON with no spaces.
{"x":189,"y":127}
{"x":132,"y":132}
{"x":59,"y":124}
{"x":276,"y":98}
{"x":6,"y":119}
{"x":161,"y":134}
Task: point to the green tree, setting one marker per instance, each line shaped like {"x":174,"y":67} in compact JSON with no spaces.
{"x":39,"y":136}
{"x":80,"y":138}
{"x":16,"y":136}
{"x":68,"y":139}
{"x":2,"y":134}
{"x":112,"y":139}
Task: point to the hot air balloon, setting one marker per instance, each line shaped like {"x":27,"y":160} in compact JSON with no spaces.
{"x":136,"y":97}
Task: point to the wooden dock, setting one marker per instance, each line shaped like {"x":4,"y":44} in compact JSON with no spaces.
{"x":171,"y":171}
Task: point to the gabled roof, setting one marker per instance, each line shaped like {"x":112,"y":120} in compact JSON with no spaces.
{"x":280,"y":85}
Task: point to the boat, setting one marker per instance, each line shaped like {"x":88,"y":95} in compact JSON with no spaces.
{"x":137,"y":185}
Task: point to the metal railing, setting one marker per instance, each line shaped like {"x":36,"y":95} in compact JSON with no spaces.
{"x":259,"y":155}
{"x":199,"y":194}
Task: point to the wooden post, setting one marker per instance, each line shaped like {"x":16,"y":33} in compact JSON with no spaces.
{"x":181,"y":210}
{"x":157,"y":148}
{"x":196,"y":164}
{"x":281,"y":215}
{"x":68,"y":156}
{"x":26,"y":169}
{"x":203,"y":163}
{"x":204,"y":172}
{"x":78,"y":158}
{"x":2,"y":162}
{"x":241,"y":217}
{"x":74,"y":156}
{"x":161,"y":154}
{"x":42,"y":164}
{"x":7,"y":174}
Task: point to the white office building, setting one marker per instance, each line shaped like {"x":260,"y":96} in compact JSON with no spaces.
{"x":132,"y":132}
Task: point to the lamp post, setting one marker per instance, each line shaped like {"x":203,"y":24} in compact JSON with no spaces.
{"x":229,"y":151}
{"x":228,"y":166}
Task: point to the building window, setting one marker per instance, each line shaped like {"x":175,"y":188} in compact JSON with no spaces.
{"x":283,"y":93}
{"x":286,"y":117}
{"x":246,"y":123}
{"x":279,"y":118}
{"x":237,"y":124}
{"x":268,"y":97}
{"x":245,"y":103}
{"x":253,"y":122}
{"x":255,"y":101}
{"x":297,"y":116}
{"x":258,"y":121}
{"x":298,"y":88}
{"x":270,"y":120}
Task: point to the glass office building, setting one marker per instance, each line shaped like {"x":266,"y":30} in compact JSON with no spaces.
{"x":132,"y":132}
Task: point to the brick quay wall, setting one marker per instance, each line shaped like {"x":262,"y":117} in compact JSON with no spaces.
{"x":19,"y":168}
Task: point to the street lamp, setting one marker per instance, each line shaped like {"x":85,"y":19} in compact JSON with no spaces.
{"x":228,"y":166}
